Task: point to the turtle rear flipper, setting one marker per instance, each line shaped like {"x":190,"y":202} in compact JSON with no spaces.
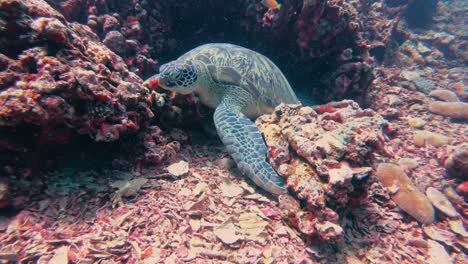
{"x":246,"y":146}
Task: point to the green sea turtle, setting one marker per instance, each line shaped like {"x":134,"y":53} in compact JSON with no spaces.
{"x":242,"y":85}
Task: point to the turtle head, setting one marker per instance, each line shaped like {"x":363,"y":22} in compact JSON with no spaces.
{"x":179,"y":77}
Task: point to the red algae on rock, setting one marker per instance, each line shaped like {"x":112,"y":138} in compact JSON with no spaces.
{"x":405,"y":194}
{"x":462,"y":189}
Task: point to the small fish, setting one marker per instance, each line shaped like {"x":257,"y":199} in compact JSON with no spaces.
{"x":273,"y":4}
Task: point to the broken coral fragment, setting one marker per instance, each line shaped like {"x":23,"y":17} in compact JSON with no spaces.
{"x":437,"y":253}
{"x":329,"y":231}
{"x":231,"y":190}
{"x":450,"y":109}
{"x":440,"y":201}
{"x":60,"y":255}
{"x":405,"y":194}
{"x":457,"y":226}
{"x":444,"y":95}
{"x":421,"y":138}
{"x":126,"y":189}
{"x":178,"y":169}
{"x":226,"y":232}
{"x":416,"y":122}
{"x":408,"y":163}
{"x":440,"y":234}
{"x":252,"y":227}
{"x":129,"y":188}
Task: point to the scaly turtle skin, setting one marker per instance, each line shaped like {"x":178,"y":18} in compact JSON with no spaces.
{"x":242,"y":85}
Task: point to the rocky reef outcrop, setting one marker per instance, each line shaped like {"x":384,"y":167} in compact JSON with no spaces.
{"x":74,"y":68}
{"x":326,"y":155}
{"x":59,"y":81}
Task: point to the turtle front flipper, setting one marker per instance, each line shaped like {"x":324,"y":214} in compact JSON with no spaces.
{"x":246,"y":146}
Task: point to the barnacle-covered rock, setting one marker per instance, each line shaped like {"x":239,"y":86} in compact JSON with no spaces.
{"x":325,"y":155}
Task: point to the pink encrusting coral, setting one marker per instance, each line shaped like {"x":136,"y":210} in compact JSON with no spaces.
{"x":325,"y":156}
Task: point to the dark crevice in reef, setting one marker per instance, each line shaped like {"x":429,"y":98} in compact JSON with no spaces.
{"x":420,"y":12}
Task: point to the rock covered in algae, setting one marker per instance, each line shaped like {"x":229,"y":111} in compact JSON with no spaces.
{"x":324,"y":153}
{"x":404,"y":193}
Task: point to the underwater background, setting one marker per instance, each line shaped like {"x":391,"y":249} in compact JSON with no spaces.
{"x":99,"y":164}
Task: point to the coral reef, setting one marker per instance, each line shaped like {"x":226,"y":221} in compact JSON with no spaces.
{"x":444,"y":40}
{"x":325,"y":156}
{"x":329,"y":31}
{"x":159,"y":31}
{"x":58,"y":81}
{"x":56,"y":74}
